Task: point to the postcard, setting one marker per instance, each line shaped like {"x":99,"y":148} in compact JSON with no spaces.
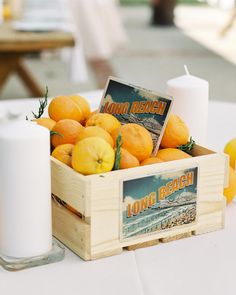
{"x":134,"y":104}
{"x":159,"y":202}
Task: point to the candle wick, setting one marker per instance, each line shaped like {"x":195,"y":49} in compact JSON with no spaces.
{"x":186,"y":70}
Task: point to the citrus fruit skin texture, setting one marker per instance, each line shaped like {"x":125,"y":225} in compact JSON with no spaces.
{"x":68,"y":131}
{"x":105,"y":121}
{"x":128,"y":160}
{"x":95,"y":131}
{"x":63,"y":107}
{"x":176,"y":133}
{"x":230,"y":149}
{"x":63,"y":153}
{"x":171,"y":154}
{"x":150,"y":161}
{"x":230,"y":191}
{"x":83,"y":105}
{"x":93,"y":155}
{"x":135,"y":139}
{"x":93,"y":113}
{"x":46,"y":122}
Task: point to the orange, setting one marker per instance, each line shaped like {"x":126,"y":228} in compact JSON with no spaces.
{"x":46,"y":122}
{"x":93,"y":155}
{"x":150,"y":161}
{"x":95,"y":131}
{"x":176,"y":133}
{"x":230,"y":149}
{"x":135,"y":139}
{"x":230,"y":191}
{"x":63,"y":153}
{"x":171,"y":154}
{"x":68,"y":132}
{"x":83,"y":104}
{"x":93,"y":113}
{"x":105,"y":121}
{"x":63,"y":107}
{"x":127,"y":160}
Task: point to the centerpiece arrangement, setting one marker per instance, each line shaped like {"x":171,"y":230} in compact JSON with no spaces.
{"x":129,"y":174}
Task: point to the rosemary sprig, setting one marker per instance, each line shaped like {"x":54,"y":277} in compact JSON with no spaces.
{"x":187,"y":148}
{"x":42,"y":105}
{"x":118,"y":152}
{"x":52,"y":132}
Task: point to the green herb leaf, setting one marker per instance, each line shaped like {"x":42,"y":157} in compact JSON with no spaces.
{"x":118,"y":152}
{"x":42,"y":105}
{"x":52,"y":132}
{"x":187,"y":148}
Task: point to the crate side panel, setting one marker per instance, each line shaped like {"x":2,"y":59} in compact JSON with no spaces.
{"x":105,"y":217}
{"x":71,"y":187}
{"x":211,"y":216}
{"x":105,"y":201}
{"x":71,"y":231}
{"x":211,"y":205}
{"x":212,"y":176}
{"x":211,"y":202}
{"x":106,"y":204}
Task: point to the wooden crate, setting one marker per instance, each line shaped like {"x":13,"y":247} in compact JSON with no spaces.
{"x":94,"y":230}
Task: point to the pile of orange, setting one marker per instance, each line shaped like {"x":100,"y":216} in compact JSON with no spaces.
{"x":87,"y":141}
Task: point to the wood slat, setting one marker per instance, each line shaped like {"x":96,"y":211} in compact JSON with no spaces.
{"x":71,"y":187}
{"x":71,"y":231}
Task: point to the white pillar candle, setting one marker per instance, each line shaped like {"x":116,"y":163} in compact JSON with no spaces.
{"x":190,"y":95}
{"x":25,"y":190}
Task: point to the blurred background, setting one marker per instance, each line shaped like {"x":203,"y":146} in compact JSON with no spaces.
{"x":146,"y":42}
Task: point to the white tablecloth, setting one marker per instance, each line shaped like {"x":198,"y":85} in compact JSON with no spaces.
{"x":202,"y":264}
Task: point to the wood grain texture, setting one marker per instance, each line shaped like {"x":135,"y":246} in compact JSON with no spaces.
{"x":143,"y":245}
{"x":102,"y":200}
{"x":71,"y":231}
{"x":16,"y":41}
{"x":211,"y":216}
{"x":176,"y":237}
{"x":201,"y":151}
{"x":71,"y":187}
